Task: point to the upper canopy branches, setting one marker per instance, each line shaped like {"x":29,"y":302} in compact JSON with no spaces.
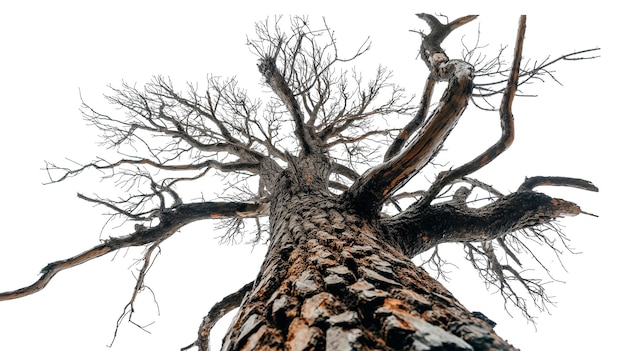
{"x":321,"y":125}
{"x":329,"y":105}
{"x":168,"y":138}
{"x":185,"y":136}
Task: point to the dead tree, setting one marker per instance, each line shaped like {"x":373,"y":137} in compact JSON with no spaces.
{"x":340,"y":220}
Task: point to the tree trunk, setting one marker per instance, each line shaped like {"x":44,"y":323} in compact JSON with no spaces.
{"x":331,"y":281}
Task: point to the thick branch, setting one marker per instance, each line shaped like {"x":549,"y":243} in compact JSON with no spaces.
{"x":379,"y":183}
{"x":420,"y":228}
{"x":344,"y":171}
{"x":499,"y":260}
{"x":533,"y":182}
{"x":382,"y":181}
{"x":506,"y":122}
{"x":170,"y":222}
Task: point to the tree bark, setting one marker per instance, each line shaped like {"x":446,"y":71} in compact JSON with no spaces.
{"x":330,"y":281}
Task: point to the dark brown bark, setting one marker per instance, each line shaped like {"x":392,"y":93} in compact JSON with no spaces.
{"x":330,"y":281}
{"x":370,"y":191}
{"x":418,"y":229}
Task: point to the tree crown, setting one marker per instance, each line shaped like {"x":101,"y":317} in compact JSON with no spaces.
{"x":326,"y":128}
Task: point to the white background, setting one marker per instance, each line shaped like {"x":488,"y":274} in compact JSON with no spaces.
{"x":48,"y":50}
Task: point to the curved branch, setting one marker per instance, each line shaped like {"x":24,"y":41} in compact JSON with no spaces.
{"x":431,"y":51}
{"x":370,"y":191}
{"x":218,"y":311}
{"x":377,"y":184}
{"x":115,"y":208}
{"x":345,"y":171}
{"x":170,"y":222}
{"x":533,"y":182}
{"x":415,"y":123}
{"x":506,"y":122}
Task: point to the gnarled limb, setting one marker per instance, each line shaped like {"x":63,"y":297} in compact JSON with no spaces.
{"x":380,"y":182}
{"x":506,"y":122}
{"x":507,"y":226}
{"x":420,"y":228}
{"x":170,"y":221}
{"x":430,"y":50}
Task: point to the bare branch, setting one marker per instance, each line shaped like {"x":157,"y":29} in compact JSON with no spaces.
{"x":448,"y":222}
{"x":115,"y":208}
{"x":382,"y":181}
{"x":273,"y":78}
{"x":366,"y":105}
{"x":252,"y":167}
{"x":129,"y":309}
{"x":345,"y":171}
{"x":170,"y":222}
{"x":533,"y":182}
{"x":506,"y":122}
{"x":415,"y":123}
{"x":508,"y":219}
{"x":528,"y":72}
{"x":301,"y":68}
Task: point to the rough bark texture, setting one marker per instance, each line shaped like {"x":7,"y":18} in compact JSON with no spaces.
{"x":418,"y":228}
{"x":331,"y":282}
